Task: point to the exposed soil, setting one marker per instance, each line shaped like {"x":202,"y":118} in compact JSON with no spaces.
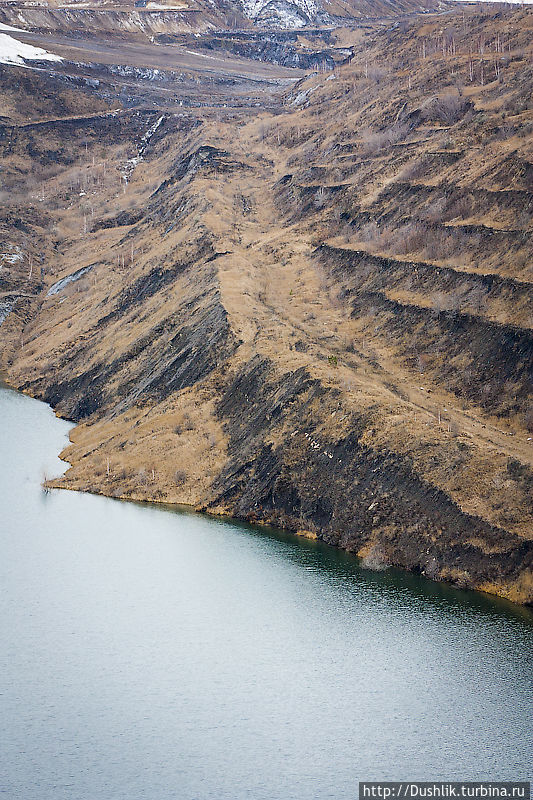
{"x":314,"y":312}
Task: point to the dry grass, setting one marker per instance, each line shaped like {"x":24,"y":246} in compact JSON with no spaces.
{"x":392,"y":160}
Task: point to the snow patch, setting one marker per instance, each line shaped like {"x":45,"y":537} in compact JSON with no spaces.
{"x":60,"y":285}
{"x":131,"y":163}
{"x":9,"y":28}
{"x":15,"y":52}
{"x":159,"y":7}
{"x":11,"y":258}
{"x":301,"y":97}
{"x":201,"y":55}
{"x":288,"y":13}
{"x":5,"y":308}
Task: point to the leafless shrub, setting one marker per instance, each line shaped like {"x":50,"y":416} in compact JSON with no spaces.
{"x":434,"y":211}
{"x":505,"y":131}
{"x":82,"y":285}
{"x":441,"y":243}
{"x":335,"y":297}
{"x":373,"y":142}
{"x":476,"y":300}
{"x":375,"y":74}
{"x":460,"y":208}
{"x":453,"y":427}
{"x":413,"y":170}
{"x":369,"y":232}
{"x":350,"y":346}
{"x":412,"y":238}
{"x":186,"y":423}
{"x":180,"y":476}
{"x":423,"y":361}
{"x":441,"y":301}
{"x":319,"y":236}
{"x":99,"y":469}
{"x":446,"y":109}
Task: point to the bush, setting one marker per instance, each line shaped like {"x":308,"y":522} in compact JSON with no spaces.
{"x":180,"y":477}
{"x":447,"y":109}
{"x":374,"y":142}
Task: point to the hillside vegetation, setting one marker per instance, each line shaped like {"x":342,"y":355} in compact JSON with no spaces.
{"x":317,"y":316}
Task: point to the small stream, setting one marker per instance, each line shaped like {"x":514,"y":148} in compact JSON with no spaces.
{"x":151,"y":653}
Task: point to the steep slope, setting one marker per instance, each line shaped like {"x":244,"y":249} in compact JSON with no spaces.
{"x":146,"y":17}
{"x":318,"y":317}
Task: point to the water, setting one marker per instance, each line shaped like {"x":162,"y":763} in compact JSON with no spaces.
{"x":153,"y":654}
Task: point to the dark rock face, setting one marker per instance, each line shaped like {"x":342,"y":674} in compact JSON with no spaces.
{"x":277,"y":48}
{"x":469,"y":354}
{"x":179,"y":351}
{"x":169,"y":357}
{"x":145,"y":372}
{"x":142,"y":289}
{"x":80,"y":397}
{"x":204,"y":160}
{"x":342,"y":491}
{"x":122,"y":219}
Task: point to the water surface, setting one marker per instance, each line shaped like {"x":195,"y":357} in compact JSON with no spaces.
{"x":154,"y":654}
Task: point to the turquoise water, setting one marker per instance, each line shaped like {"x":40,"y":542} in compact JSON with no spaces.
{"x":148,"y":653}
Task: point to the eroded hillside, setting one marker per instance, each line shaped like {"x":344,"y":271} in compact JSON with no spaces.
{"x":318,"y":316}
{"x":158,"y":17}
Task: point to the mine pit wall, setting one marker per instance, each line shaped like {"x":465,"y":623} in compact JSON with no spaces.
{"x":178,"y":352}
{"x":84,"y":21}
{"x":470,"y":355}
{"x":290,"y":467}
{"x":294,"y":459}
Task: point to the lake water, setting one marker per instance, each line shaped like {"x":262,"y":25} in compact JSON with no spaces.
{"x":155,"y":654}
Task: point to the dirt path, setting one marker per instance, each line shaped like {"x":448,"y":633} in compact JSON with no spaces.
{"x":73,"y":117}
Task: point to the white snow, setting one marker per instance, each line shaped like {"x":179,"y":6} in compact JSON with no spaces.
{"x":60,"y":285}
{"x":9,"y":28}
{"x":201,"y":55}
{"x":284,"y":11}
{"x":252,"y":7}
{"x":11,"y":258}
{"x":152,"y":129}
{"x":5,"y":308}
{"x":159,"y":7}
{"x":15,"y":52}
{"x":131,"y":163}
{"x":302,"y":96}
